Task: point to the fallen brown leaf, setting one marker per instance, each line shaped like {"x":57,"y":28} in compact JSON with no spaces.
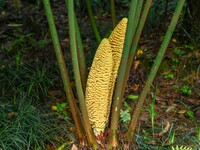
{"x":167,"y":126}
{"x":183,"y":111}
{"x":136,"y":63}
{"x":135,"y":87}
{"x":170,"y":109}
{"x":74,"y":147}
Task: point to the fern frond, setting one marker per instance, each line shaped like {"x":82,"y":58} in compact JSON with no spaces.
{"x":181,"y":148}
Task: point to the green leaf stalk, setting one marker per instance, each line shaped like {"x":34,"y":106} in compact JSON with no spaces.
{"x":81,"y":56}
{"x":64,"y":73}
{"x":117,"y":100}
{"x":73,"y":47}
{"x":113,"y":16}
{"x":93,"y":23}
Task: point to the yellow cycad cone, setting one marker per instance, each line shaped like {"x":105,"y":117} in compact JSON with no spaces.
{"x":98,"y":87}
{"x":102,"y":76}
{"x":116,"y":41}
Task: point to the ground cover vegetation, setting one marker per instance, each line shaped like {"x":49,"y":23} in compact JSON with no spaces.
{"x":38,"y":101}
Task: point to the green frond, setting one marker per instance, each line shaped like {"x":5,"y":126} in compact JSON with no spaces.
{"x":182,"y":148}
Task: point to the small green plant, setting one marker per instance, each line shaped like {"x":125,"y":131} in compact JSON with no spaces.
{"x":60,"y":108}
{"x":190,"y":114}
{"x":179,"y":52}
{"x":125,"y":114}
{"x":191,"y":47}
{"x":176,"y":60}
{"x":172,"y":138}
{"x":152,"y":113}
{"x":169,"y":76}
{"x":192,"y":117}
{"x":146,"y":133}
{"x":198,"y":133}
{"x":42,"y":43}
{"x":185,"y":90}
{"x":175,"y":86}
{"x":174,"y":68}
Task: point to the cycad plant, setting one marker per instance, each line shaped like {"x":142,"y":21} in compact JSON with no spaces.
{"x":88,"y":116}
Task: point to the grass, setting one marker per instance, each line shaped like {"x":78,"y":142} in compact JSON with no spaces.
{"x":28,"y":126}
{"x":23,"y":127}
{"x":32,"y":80}
{"x":152,"y":113}
{"x":25,"y":122}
